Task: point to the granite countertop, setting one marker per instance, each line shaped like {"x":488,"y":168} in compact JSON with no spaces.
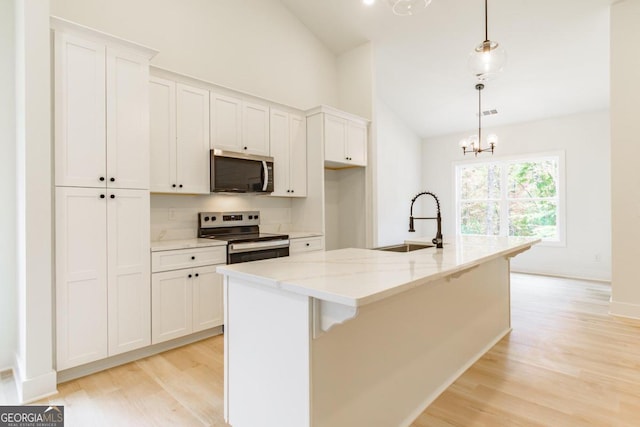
{"x":356,"y":277}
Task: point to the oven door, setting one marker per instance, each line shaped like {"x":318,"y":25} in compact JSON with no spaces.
{"x":254,"y":251}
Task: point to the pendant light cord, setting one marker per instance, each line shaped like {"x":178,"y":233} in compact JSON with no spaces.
{"x":479,"y":87}
{"x":486,"y":22}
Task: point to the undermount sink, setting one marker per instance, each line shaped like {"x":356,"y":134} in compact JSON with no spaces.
{"x":404,"y":247}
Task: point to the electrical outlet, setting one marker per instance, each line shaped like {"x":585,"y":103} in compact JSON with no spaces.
{"x":172,"y":214}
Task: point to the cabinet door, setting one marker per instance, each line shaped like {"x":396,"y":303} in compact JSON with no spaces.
{"x":255,"y":129}
{"x":193,"y":140}
{"x":226,"y":122}
{"x":298,"y":155}
{"x":128,"y":270}
{"x":171,"y":305}
{"x":207,"y":298}
{"x":79,"y":112}
{"x":357,"y":143}
{"x":81,"y":276}
{"x":335,"y":139}
{"x":280,"y":151}
{"x":127,"y":120}
{"x":162,"y":125}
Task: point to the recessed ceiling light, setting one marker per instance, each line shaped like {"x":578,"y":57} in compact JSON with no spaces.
{"x":368,"y":2}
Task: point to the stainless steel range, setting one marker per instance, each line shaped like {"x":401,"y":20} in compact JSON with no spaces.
{"x":242,"y":232}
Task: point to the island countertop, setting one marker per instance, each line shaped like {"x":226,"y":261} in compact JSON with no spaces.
{"x":356,"y":277}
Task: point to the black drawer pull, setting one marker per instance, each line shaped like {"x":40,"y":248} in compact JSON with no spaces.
{"x":189,"y":276}
{"x":193,"y":257}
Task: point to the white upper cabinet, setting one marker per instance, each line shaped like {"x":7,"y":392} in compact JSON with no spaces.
{"x":238,"y":125}
{"x":335,"y":139}
{"x":127,"y":120}
{"x":179,"y":117}
{"x":255,"y":129}
{"x":344,"y":136}
{"x":192,"y":130}
{"x":289,"y":151}
{"x":80,"y":131}
{"x":162,"y":118}
{"x":226,"y":122}
{"x":101,"y":110}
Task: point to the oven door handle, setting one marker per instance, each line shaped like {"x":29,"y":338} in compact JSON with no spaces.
{"x":235,"y":248}
{"x":265,"y":176}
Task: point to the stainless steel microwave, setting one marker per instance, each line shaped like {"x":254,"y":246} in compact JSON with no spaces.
{"x":240,"y":173}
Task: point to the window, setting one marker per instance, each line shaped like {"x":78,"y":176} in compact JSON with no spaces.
{"x":512,"y":197}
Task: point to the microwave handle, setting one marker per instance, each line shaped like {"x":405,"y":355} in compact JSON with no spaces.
{"x":265,"y":176}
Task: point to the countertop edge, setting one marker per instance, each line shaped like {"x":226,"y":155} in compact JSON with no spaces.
{"x":292,"y":286}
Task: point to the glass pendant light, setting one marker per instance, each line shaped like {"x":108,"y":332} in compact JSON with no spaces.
{"x":488,"y":58}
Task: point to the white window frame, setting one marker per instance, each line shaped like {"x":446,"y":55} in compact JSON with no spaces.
{"x":504,"y":161}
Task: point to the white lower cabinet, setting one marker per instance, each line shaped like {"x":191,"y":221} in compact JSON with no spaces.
{"x":306,"y":244}
{"x":102,"y":273}
{"x":185,"y":300}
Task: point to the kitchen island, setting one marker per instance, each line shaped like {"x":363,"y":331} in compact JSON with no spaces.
{"x":358,"y":337}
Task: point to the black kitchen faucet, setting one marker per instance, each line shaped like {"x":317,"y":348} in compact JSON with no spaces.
{"x":438,"y":239}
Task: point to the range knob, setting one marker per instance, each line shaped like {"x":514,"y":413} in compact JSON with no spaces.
{"x":206,"y":218}
{"x":250,"y":216}
{"x":213,"y":218}
{"x":255,"y":217}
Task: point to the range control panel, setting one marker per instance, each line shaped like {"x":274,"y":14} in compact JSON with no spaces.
{"x":228,"y":219}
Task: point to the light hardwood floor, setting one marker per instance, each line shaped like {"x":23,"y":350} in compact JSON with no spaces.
{"x":566,"y":363}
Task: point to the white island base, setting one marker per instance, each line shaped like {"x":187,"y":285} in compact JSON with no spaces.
{"x":299,"y":353}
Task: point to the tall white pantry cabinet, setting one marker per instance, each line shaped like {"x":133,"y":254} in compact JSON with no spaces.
{"x":102,"y":194}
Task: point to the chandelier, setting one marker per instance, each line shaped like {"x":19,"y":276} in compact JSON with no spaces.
{"x":488,"y":58}
{"x":473,"y":144}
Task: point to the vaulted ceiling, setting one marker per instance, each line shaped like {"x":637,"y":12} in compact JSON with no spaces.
{"x":558,"y":57}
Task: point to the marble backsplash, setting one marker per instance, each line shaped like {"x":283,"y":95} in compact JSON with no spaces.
{"x":176,"y":216}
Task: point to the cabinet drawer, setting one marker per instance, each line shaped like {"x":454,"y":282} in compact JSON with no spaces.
{"x":186,"y":258}
{"x":308,"y":244}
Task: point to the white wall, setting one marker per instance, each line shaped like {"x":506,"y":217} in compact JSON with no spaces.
{"x":355,"y":81}
{"x":586,"y":142}
{"x":255,"y":46}
{"x":398,"y":175}
{"x":34,"y":356}
{"x":8,"y":285}
{"x":625,"y":152}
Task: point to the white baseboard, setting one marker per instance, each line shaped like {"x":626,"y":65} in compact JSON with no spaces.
{"x":36,"y":388}
{"x":562,"y":276}
{"x":623,"y":309}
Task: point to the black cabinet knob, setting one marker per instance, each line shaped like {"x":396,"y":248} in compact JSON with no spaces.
{"x":193,"y":257}
{"x":245,"y":148}
{"x":101,"y":178}
{"x":307,"y":244}
{"x":189,"y":276}
{"x":102,"y":196}
{"x":292,"y":191}
{"x":174,"y":186}
{"x":180,"y":185}
{"x":197,"y":275}
{"x":113,"y":196}
{"x":112,"y":179}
